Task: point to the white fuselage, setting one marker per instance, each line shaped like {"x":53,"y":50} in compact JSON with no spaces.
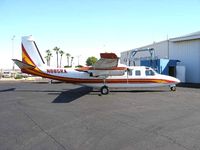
{"x":137,"y":76}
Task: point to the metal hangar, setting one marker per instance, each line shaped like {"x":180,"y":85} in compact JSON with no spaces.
{"x":186,"y":49}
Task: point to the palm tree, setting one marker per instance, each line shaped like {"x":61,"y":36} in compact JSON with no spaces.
{"x":48,"y":57}
{"x":68,"y":55}
{"x":56,"y":49}
{"x":61,"y":54}
{"x":72,"y":58}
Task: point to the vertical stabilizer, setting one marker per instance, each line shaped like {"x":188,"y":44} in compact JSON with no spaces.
{"x":30,"y":52}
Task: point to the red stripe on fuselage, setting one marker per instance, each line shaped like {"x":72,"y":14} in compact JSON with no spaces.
{"x":93,"y":81}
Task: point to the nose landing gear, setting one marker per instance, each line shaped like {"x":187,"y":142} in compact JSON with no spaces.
{"x":173,"y":88}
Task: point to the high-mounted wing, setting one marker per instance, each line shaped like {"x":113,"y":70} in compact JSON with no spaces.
{"x":105,"y":66}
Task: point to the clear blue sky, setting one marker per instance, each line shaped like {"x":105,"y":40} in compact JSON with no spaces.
{"x":88,"y":27}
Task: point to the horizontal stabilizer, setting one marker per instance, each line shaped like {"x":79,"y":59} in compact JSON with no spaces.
{"x":23,"y":65}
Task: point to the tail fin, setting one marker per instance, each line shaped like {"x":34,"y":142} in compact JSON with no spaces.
{"x":30,"y":52}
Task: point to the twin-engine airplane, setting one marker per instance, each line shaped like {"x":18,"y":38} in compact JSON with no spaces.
{"x":105,"y":74}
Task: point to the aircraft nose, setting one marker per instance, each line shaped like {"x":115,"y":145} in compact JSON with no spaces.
{"x":176,"y":80}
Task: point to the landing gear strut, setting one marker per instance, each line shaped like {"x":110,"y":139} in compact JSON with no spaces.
{"x":173,"y":88}
{"x":104,"y":90}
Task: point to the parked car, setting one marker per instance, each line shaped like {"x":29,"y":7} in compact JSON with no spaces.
{"x":6,"y":74}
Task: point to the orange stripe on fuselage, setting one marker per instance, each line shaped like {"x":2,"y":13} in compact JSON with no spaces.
{"x":38,"y":72}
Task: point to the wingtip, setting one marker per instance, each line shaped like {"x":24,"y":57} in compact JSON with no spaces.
{"x":109,"y":55}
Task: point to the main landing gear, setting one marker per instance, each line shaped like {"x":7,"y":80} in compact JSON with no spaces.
{"x":104,"y":90}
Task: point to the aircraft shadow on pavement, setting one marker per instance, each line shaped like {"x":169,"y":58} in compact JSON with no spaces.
{"x":75,"y":94}
{"x":71,"y":95}
{"x":7,"y":90}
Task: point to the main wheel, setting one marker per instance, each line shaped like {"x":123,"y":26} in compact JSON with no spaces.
{"x":173,"y":88}
{"x":104,"y":90}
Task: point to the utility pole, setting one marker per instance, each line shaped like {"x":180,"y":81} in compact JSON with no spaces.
{"x":78,"y":59}
{"x":13,"y":68}
{"x":167,"y":47}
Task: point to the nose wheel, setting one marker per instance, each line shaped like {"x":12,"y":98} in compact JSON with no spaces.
{"x":104,"y":90}
{"x":173,"y":88}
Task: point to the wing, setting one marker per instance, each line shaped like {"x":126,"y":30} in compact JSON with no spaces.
{"x":107,"y":61}
{"x":105,"y":66}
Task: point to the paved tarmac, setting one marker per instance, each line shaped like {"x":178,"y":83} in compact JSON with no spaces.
{"x":38,"y":116}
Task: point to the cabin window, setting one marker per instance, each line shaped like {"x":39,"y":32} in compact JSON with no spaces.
{"x":149,"y":73}
{"x":137,"y":73}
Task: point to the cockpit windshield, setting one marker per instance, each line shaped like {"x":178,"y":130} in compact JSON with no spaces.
{"x":149,"y":72}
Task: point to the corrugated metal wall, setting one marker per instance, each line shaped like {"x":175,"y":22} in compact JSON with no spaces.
{"x":161,"y":51}
{"x":188,"y":52}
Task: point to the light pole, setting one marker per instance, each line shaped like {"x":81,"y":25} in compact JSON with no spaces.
{"x":13,"y":51}
{"x":78,"y":59}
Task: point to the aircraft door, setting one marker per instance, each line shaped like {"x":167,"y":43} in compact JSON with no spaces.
{"x":129,"y":74}
{"x":172,"y":71}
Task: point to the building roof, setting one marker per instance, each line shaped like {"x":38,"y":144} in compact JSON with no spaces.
{"x":192,"y":36}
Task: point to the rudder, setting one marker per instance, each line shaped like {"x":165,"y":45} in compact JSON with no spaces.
{"x":30,"y":52}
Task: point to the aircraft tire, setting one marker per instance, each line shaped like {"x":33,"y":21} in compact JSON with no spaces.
{"x":173,"y":88}
{"x":104,"y":90}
